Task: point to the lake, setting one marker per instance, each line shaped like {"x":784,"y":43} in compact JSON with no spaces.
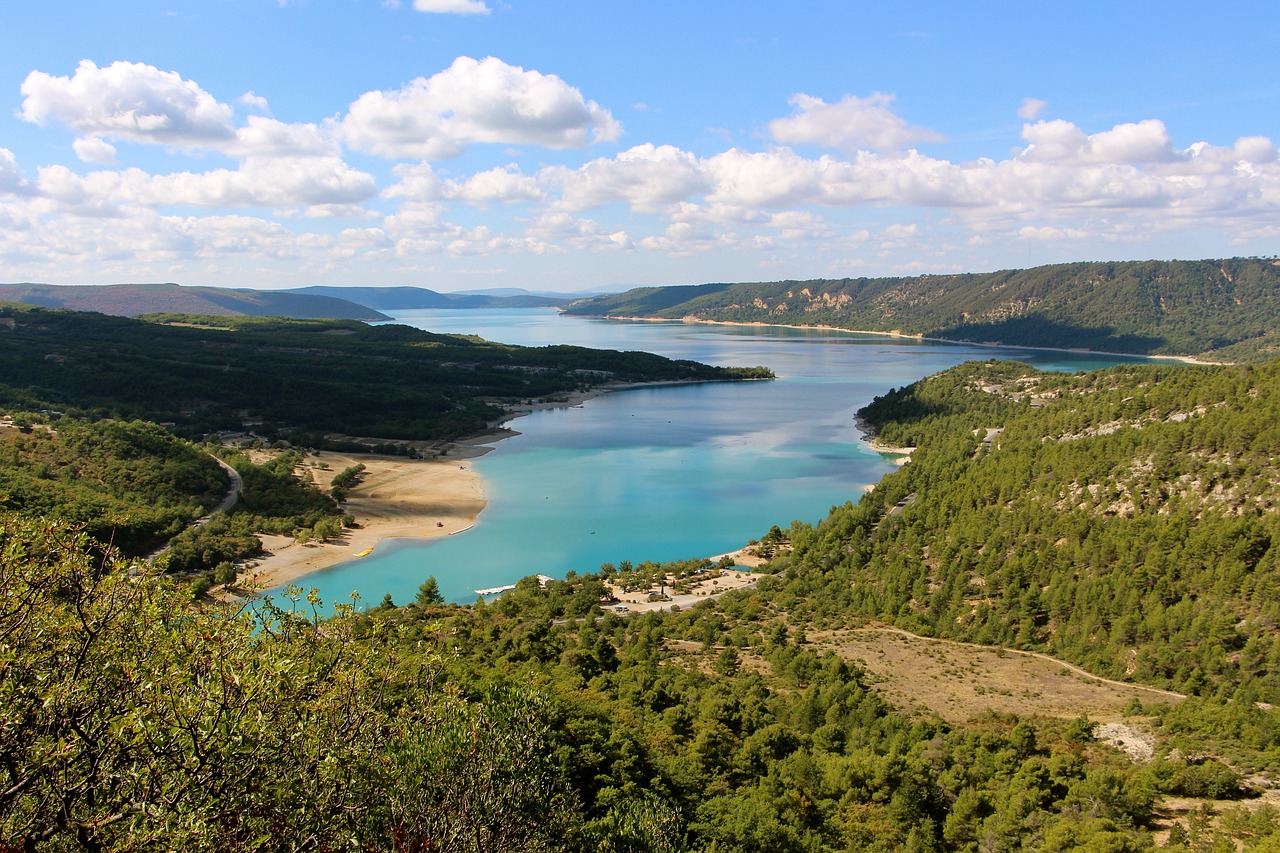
{"x":667,"y":472}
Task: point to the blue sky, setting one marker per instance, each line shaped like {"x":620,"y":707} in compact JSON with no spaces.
{"x":466,"y":144}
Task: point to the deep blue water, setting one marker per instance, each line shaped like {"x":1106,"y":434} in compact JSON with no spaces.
{"x":669,"y":472}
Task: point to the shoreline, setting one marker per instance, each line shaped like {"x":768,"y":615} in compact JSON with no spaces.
{"x":396,"y":498}
{"x":401,"y":498}
{"x":894,"y":333}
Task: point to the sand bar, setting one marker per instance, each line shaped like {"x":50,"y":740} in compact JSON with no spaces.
{"x":396,"y":498}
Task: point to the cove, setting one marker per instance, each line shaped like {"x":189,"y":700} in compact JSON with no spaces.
{"x":665,"y":472}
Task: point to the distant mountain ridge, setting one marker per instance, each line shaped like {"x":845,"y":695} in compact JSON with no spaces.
{"x":398,"y":298}
{"x":1227,"y":309}
{"x":134,"y":300}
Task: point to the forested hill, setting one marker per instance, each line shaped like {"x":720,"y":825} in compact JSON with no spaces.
{"x":134,"y":300}
{"x":308,"y":376}
{"x":1227,"y":309}
{"x":1126,"y":520}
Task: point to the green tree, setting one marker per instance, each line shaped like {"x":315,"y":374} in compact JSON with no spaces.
{"x":131,"y":720}
{"x":429,"y":593}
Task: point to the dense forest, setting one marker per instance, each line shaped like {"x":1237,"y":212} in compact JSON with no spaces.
{"x":1122,"y":520}
{"x":1225,"y":309}
{"x":132,"y":484}
{"x":310,"y":377}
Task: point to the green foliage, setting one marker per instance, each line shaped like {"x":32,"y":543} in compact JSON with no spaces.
{"x":129,"y":483}
{"x":305,"y":378}
{"x":129,"y":720}
{"x":1229,"y":307}
{"x":345,"y":479}
{"x":1124,"y":520}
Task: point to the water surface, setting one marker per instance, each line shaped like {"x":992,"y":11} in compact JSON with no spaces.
{"x":667,"y":472}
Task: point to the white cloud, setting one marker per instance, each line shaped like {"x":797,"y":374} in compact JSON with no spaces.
{"x":1061,"y":141}
{"x":646,"y":177}
{"x":452,"y":7}
{"x":1053,"y":141}
{"x":851,"y":123}
{"x":485,"y":101}
{"x":1255,"y":149}
{"x":685,"y":239}
{"x":140,"y":103}
{"x":266,"y":182}
{"x":10,"y":177}
{"x":259,"y":182}
{"x":266,"y":137}
{"x":91,"y":149}
{"x":495,"y":185}
{"x":418,"y":182}
{"x":1031,"y":108}
{"x":586,"y":234}
{"x":1142,"y":142}
{"x":255,"y":102}
{"x":778,"y":178}
{"x":128,"y":100}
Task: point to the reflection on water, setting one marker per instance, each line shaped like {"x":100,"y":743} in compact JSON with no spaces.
{"x":668,"y":472}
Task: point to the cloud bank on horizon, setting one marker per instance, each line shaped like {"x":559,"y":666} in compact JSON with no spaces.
{"x":477,"y":170}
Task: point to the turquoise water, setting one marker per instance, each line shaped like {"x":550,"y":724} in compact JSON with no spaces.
{"x":670,"y":472}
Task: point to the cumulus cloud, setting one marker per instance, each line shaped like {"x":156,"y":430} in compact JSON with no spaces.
{"x":1031,"y":108}
{"x":266,"y":182}
{"x":646,"y":177}
{"x":255,"y":102}
{"x":266,"y":137}
{"x":452,"y":7}
{"x":10,"y":177}
{"x":259,"y":182}
{"x":850,"y":123}
{"x":1132,"y":143}
{"x":128,"y":100}
{"x":495,"y":185}
{"x":94,"y":150}
{"x":140,"y":103}
{"x":1255,"y":149}
{"x":778,"y":178}
{"x":417,"y":182}
{"x":585,"y":234}
{"x":475,"y":101}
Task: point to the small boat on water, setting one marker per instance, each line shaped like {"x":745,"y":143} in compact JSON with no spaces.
{"x":366,"y":552}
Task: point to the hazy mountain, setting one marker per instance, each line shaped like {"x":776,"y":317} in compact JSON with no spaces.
{"x":396,"y":298}
{"x":133,"y":300}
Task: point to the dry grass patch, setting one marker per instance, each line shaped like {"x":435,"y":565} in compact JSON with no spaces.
{"x":960,"y":682}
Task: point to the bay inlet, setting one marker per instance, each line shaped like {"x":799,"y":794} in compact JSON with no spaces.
{"x":664,"y":472}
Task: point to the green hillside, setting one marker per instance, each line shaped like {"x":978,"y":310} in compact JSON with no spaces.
{"x":134,"y":300}
{"x":1124,"y":521}
{"x":1225,"y":309}
{"x":306,"y":377}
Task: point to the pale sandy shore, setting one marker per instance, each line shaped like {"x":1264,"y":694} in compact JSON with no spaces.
{"x":396,"y":498}
{"x":400,"y":498}
{"x":896,"y":333}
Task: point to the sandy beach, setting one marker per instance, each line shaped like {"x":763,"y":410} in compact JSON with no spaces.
{"x":396,"y":498}
{"x":400,"y":498}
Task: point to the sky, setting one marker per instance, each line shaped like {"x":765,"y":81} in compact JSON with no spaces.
{"x":571,"y":146}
